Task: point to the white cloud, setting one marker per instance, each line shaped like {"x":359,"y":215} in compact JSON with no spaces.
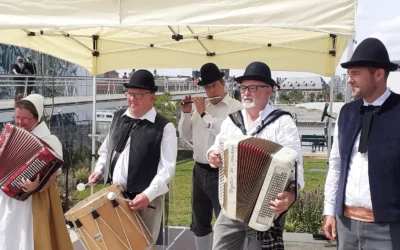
{"x":392,"y":25}
{"x":390,"y":39}
{"x":363,"y":13}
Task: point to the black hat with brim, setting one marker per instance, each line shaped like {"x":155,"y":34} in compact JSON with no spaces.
{"x":258,"y":71}
{"x":371,"y":53}
{"x":210,"y":73}
{"x":142,"y":79}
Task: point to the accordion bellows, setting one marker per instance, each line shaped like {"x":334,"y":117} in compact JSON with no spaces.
{"x":254,"y":172}
{"x":23,"y":155}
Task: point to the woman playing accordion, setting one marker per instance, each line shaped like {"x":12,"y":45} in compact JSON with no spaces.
{"x":36,"y":221}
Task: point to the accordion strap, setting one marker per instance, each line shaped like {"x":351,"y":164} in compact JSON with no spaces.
{"x":237,"y":119}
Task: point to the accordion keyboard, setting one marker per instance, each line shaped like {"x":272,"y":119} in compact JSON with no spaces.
{"x":28,"y":173}
{"x":277,"y":184}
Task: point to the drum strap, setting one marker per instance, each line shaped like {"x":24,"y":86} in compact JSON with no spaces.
{"x":120,"y":146}
{"x":237,"y":119}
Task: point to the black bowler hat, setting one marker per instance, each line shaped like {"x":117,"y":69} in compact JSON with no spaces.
{"x":209,"y":73}
{"x":142,"y":79}
{"x":258,"y":71}
{"x":371,"y":53}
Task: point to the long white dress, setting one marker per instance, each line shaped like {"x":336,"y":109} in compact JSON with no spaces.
{"x":16,"y":220}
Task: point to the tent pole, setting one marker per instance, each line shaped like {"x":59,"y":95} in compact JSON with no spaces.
{"x":330,"y":120}
{"x":350,"y":48}
{"x":94,"y":118}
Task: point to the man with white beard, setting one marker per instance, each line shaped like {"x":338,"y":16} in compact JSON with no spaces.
{"x":256,"y":87}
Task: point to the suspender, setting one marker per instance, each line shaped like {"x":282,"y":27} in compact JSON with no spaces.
{"x":237,"y":119}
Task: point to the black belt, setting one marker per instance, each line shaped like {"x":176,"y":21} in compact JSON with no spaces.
{"x":206,"y":167}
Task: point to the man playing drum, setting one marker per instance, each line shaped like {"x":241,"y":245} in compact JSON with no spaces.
{"x":144,"y":167}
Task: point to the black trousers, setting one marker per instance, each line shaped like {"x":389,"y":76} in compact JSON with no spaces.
{"x":204,"y":199}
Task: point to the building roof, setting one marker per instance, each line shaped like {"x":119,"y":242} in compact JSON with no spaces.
{"x":304,"y":83}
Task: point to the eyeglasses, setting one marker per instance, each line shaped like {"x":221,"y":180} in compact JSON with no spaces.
{"x":23,"y":119}
{"x":251,"y":88}
{"x":137,"y":96}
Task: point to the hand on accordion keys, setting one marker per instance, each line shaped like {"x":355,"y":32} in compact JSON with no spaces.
{"x":283,"y":201}
{"x":214,"y":159}
{"x":29,"y":186}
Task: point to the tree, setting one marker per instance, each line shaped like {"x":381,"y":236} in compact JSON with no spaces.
{"x":296,"y":96}
{"x":319,"y":97}
{"x":166,"y":107}
{"x":339,"y":97}
{"x":326,"y":94}
{"x":311,"y":97}
{"x":284,"y":98}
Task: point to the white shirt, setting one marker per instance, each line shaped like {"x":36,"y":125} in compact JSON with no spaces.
{"x":202,"y":131}
{"x":166,"y":166}
{"x":282,"y":131}
{"x":357,"y":192}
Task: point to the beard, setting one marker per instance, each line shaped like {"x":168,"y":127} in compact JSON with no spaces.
{"x":21,"y":65}
{"x":248,"y":103}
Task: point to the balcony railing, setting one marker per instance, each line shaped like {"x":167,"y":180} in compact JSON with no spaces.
{"x":49,"y":86}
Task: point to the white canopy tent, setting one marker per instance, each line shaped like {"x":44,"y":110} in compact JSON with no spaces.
{"x":290,"y":35}
{"x":102,"y":35}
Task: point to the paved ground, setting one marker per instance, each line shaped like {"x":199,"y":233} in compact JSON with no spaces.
{"x":180,"y":238}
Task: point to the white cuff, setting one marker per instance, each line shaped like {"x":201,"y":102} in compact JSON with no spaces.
{"x":99,"y":169}
{"x":208,"y":118}
{"x":329,"y":209}
{"x":150,"y":193}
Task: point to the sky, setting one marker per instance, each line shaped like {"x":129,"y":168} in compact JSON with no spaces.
{"x":380,"y":19}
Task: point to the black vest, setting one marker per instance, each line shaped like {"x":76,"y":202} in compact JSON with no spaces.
{"x":383,"y":156}
{"x":145,"y":149}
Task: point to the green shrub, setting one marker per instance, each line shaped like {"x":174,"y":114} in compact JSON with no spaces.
{"x":305,"y":216}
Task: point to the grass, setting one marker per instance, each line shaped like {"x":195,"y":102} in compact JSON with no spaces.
{"x":180,"y":195}
{"x":78,"y":196}
{"x":181,"y":185}
{"x":314,"y":180}
{"x":180,"y":191}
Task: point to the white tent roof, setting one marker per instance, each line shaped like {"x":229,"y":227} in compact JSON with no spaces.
{"x":290,"y":35}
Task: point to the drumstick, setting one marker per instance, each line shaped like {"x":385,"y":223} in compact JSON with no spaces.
{"x":113,"y":196}
{"x":81,"y":186}
{"x":207,"y":99}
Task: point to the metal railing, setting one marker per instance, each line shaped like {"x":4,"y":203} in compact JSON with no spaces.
{"x":49,"y":86}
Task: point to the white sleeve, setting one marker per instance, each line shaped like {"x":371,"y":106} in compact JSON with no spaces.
{"x":167,"y":164}
{"x":332,"y":179}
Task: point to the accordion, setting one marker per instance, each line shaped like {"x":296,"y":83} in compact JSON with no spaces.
{"x":254,"y":172}
{"x":23,"y":155}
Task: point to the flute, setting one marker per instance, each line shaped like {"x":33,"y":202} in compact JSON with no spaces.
{"x":207,"y":99}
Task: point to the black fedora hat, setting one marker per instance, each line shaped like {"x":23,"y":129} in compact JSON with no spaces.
{"x":142,"y":79}
{"x":258,"y":71}
{"x":371,"y":53}
{"x":209,"y":73}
